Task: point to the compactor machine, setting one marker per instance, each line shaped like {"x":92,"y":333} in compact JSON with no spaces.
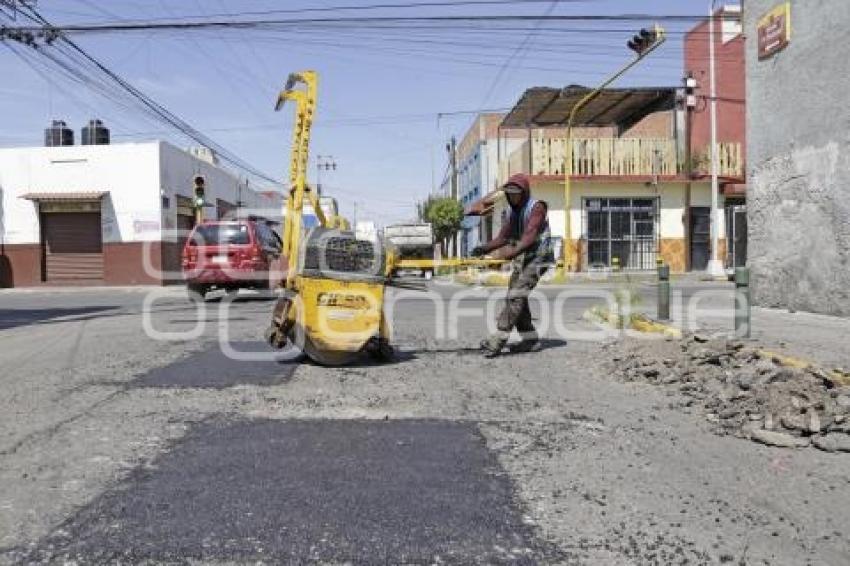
{"x":333,"y":289}
{"x":332,"y":306}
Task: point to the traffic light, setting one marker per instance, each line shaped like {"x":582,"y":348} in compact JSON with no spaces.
{"x":199,"y":183}
{"x":645,"y":39}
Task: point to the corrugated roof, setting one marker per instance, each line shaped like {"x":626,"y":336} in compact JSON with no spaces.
{"x":65,"y":196}
{"x":542,"y":107}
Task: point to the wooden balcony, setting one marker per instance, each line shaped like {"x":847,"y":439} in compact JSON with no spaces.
{"x":616,"y":157}
{"x":731,"y":160}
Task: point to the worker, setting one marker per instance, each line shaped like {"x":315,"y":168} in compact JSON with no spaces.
{"x":524,"y":239}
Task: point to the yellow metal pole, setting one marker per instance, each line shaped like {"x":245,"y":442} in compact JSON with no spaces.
{"x":568,"y":150}
{"x":305,"y":101}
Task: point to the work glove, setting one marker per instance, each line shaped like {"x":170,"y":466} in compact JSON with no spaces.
{"x":478,"y":251}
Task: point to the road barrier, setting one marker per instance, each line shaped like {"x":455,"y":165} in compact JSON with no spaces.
{"x":663,"y":291}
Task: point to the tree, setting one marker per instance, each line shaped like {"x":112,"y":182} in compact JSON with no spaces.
{"x":445,"y":215}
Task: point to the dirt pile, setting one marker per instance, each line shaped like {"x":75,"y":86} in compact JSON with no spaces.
{"x":742,"y":391}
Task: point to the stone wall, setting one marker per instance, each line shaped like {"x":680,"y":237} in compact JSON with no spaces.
{"x":798,"y":129}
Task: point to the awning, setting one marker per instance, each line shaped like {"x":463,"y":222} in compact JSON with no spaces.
{"x":734,"y":189}
{"x":65,"y":197}
{"x":484,"y":205}
{"x":544,"y":107}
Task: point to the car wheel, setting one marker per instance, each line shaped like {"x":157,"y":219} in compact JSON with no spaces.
{"x":196,"y":293}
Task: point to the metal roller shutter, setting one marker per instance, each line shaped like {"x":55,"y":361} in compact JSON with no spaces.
{"x":73,"y":246}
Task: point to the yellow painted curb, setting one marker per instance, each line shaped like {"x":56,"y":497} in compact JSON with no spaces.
{"x":835,"y":376}
{"x":639,"y":322}
{"x":643,"y":324}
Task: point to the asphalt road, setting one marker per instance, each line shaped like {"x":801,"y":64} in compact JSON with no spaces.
{"x":128,"y":434}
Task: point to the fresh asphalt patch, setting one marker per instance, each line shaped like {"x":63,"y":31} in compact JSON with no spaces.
{"x":214,"y":368}
{"x":13,"y":318}
{"x":353,"y":491}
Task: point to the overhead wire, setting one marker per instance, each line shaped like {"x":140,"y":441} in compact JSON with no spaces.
{"x":77,"y":62}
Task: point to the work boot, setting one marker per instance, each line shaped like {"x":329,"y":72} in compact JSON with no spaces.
{"x":529,"y":345}
{"x":492,"y":346}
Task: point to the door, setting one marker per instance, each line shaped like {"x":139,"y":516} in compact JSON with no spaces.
{"x":621,"y":231}
{"x":72,"y":247}
{"x":700,"y":237}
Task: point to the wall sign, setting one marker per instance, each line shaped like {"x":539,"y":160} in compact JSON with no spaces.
{"x":774,"y":30}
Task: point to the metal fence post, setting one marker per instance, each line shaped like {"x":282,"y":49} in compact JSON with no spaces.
{"x":742,"y":302}
{"x":663,"y":292}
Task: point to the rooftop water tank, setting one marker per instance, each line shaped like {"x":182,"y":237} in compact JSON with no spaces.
{"x":95,"y":134}
{"x":58,"y":134}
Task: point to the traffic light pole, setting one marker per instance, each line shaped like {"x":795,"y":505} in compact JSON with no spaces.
{"x":199,"y":197}
{"x":568,"y":153}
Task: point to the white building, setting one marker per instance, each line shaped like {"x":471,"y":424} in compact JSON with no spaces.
{"x":109,"y":214}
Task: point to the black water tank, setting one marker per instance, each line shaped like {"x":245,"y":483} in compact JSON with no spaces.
{"x":58,"y":134}
{"x":95,"y":134}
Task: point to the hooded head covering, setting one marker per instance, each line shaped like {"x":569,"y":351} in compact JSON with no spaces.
{"x":521,"y":181}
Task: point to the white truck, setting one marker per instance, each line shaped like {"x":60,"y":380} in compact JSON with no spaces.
{"x":412,"y":241}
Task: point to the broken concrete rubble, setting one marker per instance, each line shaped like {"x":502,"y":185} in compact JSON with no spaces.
{"x":743,"y":392}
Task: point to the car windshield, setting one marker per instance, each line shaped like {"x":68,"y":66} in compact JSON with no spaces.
{"x":220,"y":234}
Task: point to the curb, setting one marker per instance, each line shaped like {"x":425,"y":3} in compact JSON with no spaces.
{"x":835,"y":376}
{"x":638,"y":322}
{"x":642,"y":323}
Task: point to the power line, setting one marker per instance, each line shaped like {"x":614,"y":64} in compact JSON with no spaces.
{"x":176,"y":25}
{"x":367,"y":7}
{"x":78,"y":64}
{"x":519,"y":49}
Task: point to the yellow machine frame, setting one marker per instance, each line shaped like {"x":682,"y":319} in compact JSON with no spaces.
{"x":331,"y":319}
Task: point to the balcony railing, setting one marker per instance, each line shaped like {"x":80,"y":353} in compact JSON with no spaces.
{"x":598,"y":157}
{"x":730,"y":162}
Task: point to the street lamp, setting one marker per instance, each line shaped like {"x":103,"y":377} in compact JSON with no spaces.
{"x":327,"y":163}
{"x":715,"y":265}
{"x":644,"y":43}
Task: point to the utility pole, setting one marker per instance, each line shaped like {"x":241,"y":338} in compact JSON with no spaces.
{"x":452,"y":149}
{"x":715,"y":265}
{"x":690,"y":102}
{"x":327,"y":163}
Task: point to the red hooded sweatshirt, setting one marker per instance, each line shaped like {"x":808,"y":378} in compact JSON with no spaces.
{"x":536,"y":222}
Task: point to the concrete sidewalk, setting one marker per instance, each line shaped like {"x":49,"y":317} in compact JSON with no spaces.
{"x":821,"y":339}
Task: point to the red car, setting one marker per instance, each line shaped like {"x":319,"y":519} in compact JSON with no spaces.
{"x":232,"y":255}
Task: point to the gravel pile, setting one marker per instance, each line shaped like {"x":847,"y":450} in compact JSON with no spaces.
{"x":743,"y":392}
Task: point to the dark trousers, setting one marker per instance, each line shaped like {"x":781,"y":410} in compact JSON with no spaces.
{"x":516,"y":313}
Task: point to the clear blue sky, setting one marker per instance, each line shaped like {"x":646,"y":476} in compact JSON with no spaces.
{"x":380,"y":90}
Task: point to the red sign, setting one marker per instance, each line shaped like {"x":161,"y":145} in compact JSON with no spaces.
{"x":774,"y":30}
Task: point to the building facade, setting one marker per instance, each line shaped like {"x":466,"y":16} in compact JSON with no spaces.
{"x":628,"y":194}
{"x":730,"y":85}
{"x":640,"y":189}
{"x":107,"y":214}
{"x":478,"y":168}
{"x":798,"y":147}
